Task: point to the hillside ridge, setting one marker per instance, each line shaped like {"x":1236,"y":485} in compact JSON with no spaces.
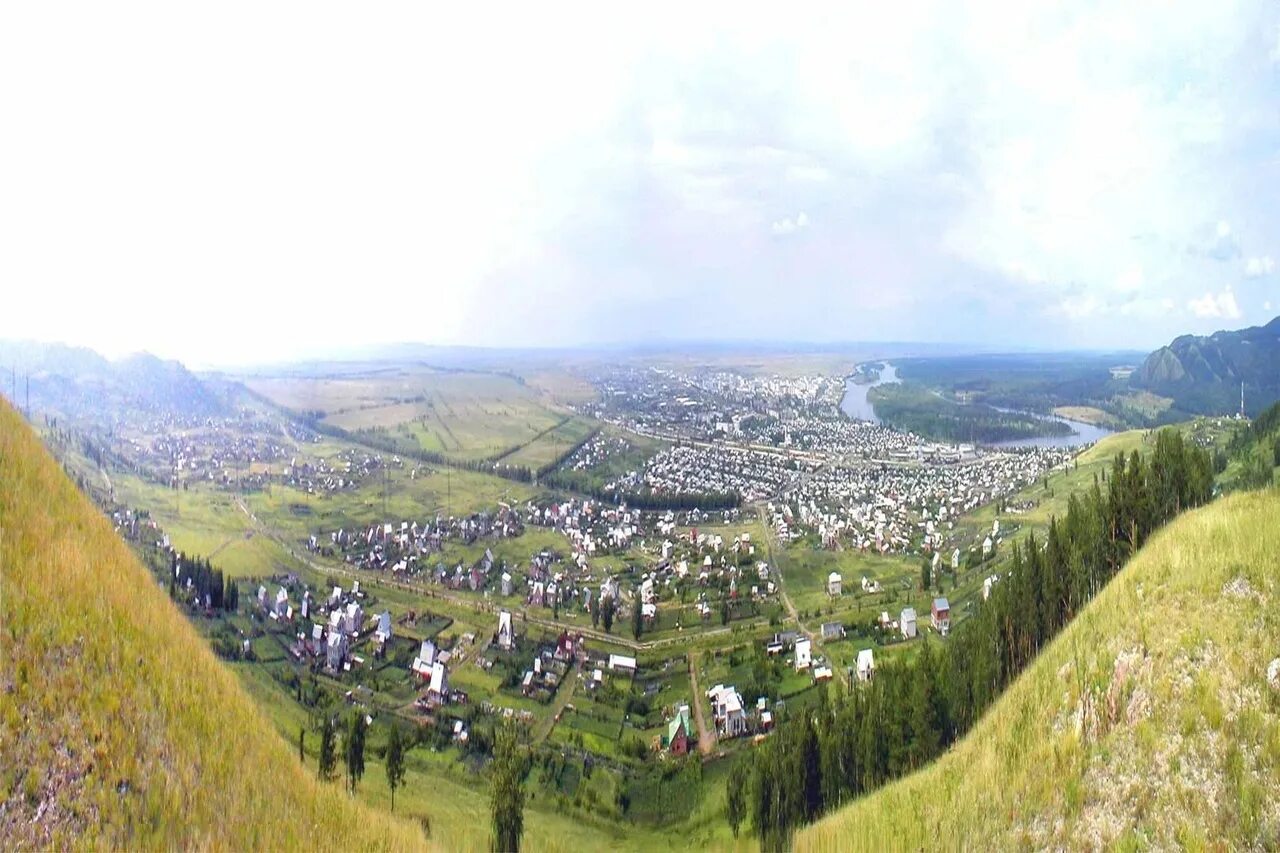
{"x":1149,"y":720}
{"x":118,"y":726}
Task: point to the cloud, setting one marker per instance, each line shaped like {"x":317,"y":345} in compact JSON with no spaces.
{"x":1266,"y":306}
{"x":1130,"y":280}
{"x":791,"y":226}
{"x":995,"y":158}
{"x":1080,"y":307}
{"x":1221,"y":305}
{"x":1259,"y":266}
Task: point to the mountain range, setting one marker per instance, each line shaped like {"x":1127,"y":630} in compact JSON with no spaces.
{"x":1204,"y":374}
{"x":57,"y":378}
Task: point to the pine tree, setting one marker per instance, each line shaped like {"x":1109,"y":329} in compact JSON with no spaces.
{"x":353,"y":751}
{"x":328,"y":762}
{"x":394,"y":760}
{"x":735,"y":803}
{"x":507,"y":791}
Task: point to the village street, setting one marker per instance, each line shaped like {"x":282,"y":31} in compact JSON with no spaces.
{"x":782,"y":580}
{"x":563,"y":697}
{"x":706,"y":737}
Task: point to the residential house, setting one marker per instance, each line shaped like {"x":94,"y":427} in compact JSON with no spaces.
{"x":804,"y":657}
{"x":679,"y":732}
{"x":941,"y":616}
{"x":506,"y":633}
{"x":907,"y":623}
{"x":834,"y":584}
{"x":425,"y":660}
{"x":383,"y":634}
{"x":622,"y":663}
{"x":866,"y":665}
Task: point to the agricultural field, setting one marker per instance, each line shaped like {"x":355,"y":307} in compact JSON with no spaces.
{"x":464,"y":415}
{"x":552,"y":445}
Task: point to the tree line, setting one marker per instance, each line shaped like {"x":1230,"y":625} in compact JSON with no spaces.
{"x":645,"y":499}
{"x":858,"y":739}
{"x":208,"y":585}
{"x":1257,"y":448}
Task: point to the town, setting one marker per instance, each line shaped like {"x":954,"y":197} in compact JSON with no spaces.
{"x":744,"y":516}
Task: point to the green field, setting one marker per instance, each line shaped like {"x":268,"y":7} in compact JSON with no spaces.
{"x":551,"y":446}
{"x":464,"y":415}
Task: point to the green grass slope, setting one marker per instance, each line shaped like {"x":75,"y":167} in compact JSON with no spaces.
{"x":118,"y":727}
{"x":1149,"y":721}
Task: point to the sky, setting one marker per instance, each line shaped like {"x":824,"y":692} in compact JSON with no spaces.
{"x":248,"y":181}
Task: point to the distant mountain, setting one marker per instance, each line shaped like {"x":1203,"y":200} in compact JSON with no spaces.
{"x":1203,"y":374}
{"x":78,"y":381}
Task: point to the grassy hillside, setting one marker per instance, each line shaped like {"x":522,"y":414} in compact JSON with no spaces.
{"x":117,"y":724}
{"x":1148,"y":722}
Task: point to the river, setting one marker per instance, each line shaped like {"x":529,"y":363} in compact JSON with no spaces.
{"x":855,"y":405}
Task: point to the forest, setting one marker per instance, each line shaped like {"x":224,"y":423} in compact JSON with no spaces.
{"x":860,"y":737}
{"x":916,"y":409}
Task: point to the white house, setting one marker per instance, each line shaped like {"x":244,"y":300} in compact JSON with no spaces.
{"x":726,"y":709}
{"x":804,"y":657}
{"x":354,"y":619}
{"x":426,"y":658}
{"x":834,"y":584}
{"x":439,"y":687}
{"x":622,"y":663}
{"x":506,"y":634}
{"x":907,"y":622}
{"x":866,"y":665}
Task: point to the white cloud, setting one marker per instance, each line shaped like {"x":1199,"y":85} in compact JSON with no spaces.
{"x":1266,"y":306}
{"x":1049,"y":159}
{"x":791,"y":226}
{"x":1078,"y":308}
{"x":1259,"y":266}
{"x":1221,"y":305}
{"x":1130,"y":280}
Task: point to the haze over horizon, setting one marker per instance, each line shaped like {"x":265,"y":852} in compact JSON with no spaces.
{"x":252,"y":183}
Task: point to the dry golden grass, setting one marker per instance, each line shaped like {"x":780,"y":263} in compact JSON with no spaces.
{"x":118,"y":727}
{"x":1148,"y":723}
